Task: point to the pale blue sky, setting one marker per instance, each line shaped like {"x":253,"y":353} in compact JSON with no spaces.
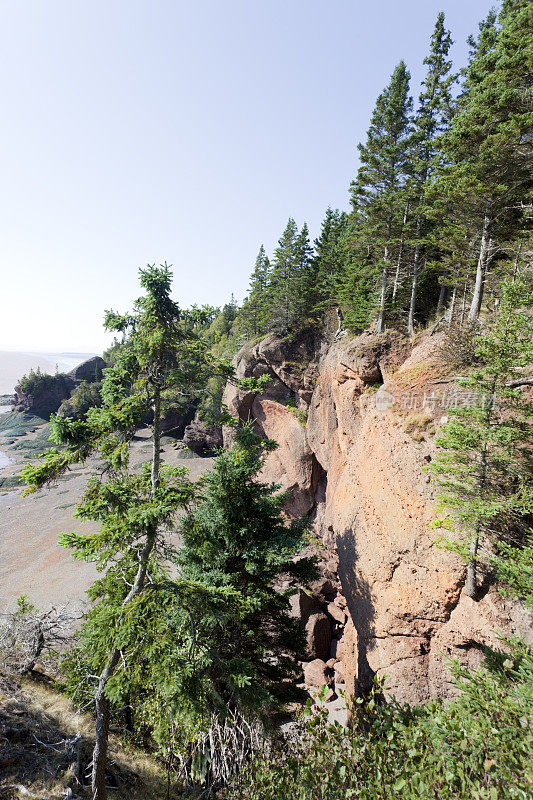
{"x":139,"y":132}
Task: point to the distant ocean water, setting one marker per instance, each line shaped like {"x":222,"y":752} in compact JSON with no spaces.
{"x":14,"y":365}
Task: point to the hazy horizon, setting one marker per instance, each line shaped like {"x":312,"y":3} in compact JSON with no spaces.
{"x":146,"y":132}
{"x":15,"y":363}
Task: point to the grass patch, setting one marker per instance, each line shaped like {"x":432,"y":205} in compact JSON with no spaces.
{"x":300,"y":414}
{"x":425,"y":372}
{"x":10,"y":482}
{"x":418,"y":425}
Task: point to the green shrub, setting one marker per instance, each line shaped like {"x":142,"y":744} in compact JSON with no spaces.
{"x":476,"y":746}
{"x":37,"y":383}
{"x":84,"y":397}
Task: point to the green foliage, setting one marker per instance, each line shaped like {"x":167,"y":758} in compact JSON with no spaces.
{"x":378,"y":197}
{"x":436,"y":193}
{"x":477,"y":746}
{"x":37,"y":384}
{"x":237,"y":538}
{"x":85,"y":396}
{"x":484,"y":467}
{"x":253,"y":317}
{"x":329,"y":260}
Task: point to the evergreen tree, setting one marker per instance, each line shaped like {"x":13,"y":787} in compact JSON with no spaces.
{"x":291,"y":279}
{"x":254,"y":314}
{"x":304,"y":283}
{"x":433,"y":114}
{"x":237,"y":538}
{"x":329,"y":260}
{"x":484,"y":467}
{"x":487,"y":153}
{"x":357,"y":291}
{"x":378,"y":193}
{"x":159,"y":354}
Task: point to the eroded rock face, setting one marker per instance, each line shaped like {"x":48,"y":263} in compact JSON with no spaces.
{"x":203,"y":438}
{"x":47,"y":400}
{"x":318,"y":636}
{"x":57,"y":388}
{"x":358,"y":467}
{"x":90,"y":370}
{"x":292,"y":464}
{"x":292,"y":372}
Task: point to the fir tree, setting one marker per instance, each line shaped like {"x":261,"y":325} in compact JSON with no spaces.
{"x":378,"y":193}
{"x":434,"y":108}
{"x":487,"y":153}
{"x":254,"y":314}
{"x":304,"y":284}
{"x":159,"y":355}
{"x":291,"y":281}
{"x":484,"y":466}
{"x":329,"y":260}
{"x":237,"y":538}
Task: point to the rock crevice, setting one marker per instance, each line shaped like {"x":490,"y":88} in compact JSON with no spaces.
{"x":358,"y":472}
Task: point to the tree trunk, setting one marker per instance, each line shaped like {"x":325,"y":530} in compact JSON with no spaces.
{"x":156,"y":451}
{"x":98,"y":787}
{"x":414,"y":286}
{"x":380,"y":324}
{"x":400,"y":255}
{"x":451,"y":310}
{"x":471,"y":570}
{"x":481,"y":270}
{"x":463,"y":308}
{"x":442,"y":298}
{"x":36,"y":650}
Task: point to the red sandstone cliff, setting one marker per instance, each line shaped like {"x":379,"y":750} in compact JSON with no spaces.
{"x":393,"y":599}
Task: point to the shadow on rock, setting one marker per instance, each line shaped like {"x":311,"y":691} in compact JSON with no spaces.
{"x":359,"y":600}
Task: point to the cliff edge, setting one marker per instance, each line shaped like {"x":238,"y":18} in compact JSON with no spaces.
{"x":355,"y":420}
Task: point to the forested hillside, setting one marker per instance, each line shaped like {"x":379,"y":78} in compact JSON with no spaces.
{"x":216,"y":599}
{"x":440,"y":210}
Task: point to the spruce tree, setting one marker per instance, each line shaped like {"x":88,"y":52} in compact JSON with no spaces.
{"x":487,"y":157}
{"x":291,"y":283}
{"x":484,"y":466}
{"x":304,"y":284}
{"x":254,"y":313}
{"x":329,"y":260}
{"x":159,"y":357}
{"x":378,"y":193}
{"x":434,"y":108}
{"x":237,"y":538}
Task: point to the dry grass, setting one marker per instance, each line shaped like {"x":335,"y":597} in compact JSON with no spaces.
{"x":46,"y":746}
{"x":420,"y":374}
{"x":419,"y":425}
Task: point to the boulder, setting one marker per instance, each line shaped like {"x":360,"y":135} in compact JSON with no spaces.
{"x":203,"y":438}
{"x":337,"y":712}
{"x":318,"y":636}
{"x":317,"y":673}
{"x":90,"y":370}
{"x":337,"y":614}
{"x":303,"y":604}
{"x":338,"y":670}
